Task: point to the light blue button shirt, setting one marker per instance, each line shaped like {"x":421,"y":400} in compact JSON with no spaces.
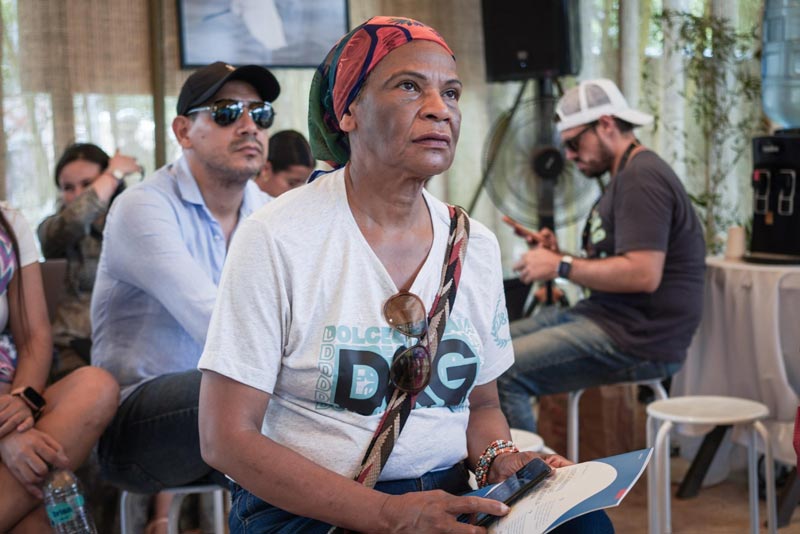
{"x":162,"y":258}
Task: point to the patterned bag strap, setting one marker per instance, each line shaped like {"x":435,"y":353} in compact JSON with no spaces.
{"x":400,"y":403}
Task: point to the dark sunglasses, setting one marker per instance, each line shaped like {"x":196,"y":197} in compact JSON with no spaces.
{"x":574,"y":142}
{"x":225,"y":112}
{"x":411,"y":366}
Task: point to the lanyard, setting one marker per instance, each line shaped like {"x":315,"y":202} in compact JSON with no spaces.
{"x":588,"y":226}
{"x":626,"y":156}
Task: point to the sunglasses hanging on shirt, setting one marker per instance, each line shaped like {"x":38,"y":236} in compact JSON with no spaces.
{"x":411,"y":366}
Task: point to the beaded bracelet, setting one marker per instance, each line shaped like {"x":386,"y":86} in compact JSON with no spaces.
{"x":495,"y":449}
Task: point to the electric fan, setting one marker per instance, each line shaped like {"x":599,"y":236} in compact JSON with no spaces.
{"x":525,"y":174}
{"x":527,"y":179}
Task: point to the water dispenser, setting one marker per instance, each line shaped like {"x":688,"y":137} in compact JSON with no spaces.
{"x":776,"y":158}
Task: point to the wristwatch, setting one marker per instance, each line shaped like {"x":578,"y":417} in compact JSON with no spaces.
{"x":564,"y":267}
{"x":119,"y":174}
{"x":32,"y":398}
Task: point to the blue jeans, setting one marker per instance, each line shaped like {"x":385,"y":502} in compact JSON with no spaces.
{"x":557,"y":351}
{"x":154,"y":441}
{"x":251,"y":515}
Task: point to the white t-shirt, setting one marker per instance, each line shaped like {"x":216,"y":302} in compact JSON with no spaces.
{"x":27,"y":251}
{"x":299,"y":315}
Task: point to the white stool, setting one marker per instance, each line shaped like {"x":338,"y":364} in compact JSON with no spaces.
{"x":704,"y":410}
{"x":573,"y":436}
{"x":175,"y":508}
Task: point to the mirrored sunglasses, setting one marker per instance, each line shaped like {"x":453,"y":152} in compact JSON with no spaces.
{"x":225,"y":112}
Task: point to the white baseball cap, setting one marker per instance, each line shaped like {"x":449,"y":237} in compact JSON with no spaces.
{"x":592,"y":99}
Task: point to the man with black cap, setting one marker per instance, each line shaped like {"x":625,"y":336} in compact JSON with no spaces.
{"x":643,"y":260}
{"x":164,"y":247}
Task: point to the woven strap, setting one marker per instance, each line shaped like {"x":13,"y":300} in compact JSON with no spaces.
{"x":400,"y":403}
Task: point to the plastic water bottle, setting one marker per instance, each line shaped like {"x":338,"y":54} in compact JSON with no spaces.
{"x":780,"y":62}
{"x":65,"y":504}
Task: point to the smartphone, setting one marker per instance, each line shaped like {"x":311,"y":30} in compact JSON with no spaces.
{"x":515,"y":486}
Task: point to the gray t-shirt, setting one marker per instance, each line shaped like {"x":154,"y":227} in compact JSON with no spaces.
{"x":645,"y":207}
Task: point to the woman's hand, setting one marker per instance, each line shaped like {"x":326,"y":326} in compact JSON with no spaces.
{"x":507,"y":464}
{"x":436,"y":511}
{"x":119,"y":166}
{"x":126,"y":164}
{"x":29,"y":455}
{"x":14,"y":414}
{"x":556,"y":460}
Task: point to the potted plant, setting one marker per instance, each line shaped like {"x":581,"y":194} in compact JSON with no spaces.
{"x":720,"y":94}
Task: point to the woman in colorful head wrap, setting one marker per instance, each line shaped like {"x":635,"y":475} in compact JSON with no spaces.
{"x":340,"y":77}
{"x":301,"y":366}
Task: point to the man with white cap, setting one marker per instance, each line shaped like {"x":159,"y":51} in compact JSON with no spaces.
{"x":643,"y":260}
{"x":164,"y":247}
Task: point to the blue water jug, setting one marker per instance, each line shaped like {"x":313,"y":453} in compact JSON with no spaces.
{"x":780,"y":62}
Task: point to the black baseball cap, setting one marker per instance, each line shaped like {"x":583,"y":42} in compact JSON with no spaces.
{"x":204,"y":82}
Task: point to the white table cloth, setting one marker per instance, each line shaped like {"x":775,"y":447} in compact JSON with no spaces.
{"x":748,"y":343}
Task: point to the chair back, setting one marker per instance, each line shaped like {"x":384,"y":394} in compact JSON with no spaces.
{"x":54,"y":273}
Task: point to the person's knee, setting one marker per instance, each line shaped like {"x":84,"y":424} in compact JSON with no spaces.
{"x":99,"y":391}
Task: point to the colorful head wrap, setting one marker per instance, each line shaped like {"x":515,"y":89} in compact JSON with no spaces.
{"x":340,"y":77}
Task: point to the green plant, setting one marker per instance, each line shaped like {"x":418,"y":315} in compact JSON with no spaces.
{"x":722,"y":88}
